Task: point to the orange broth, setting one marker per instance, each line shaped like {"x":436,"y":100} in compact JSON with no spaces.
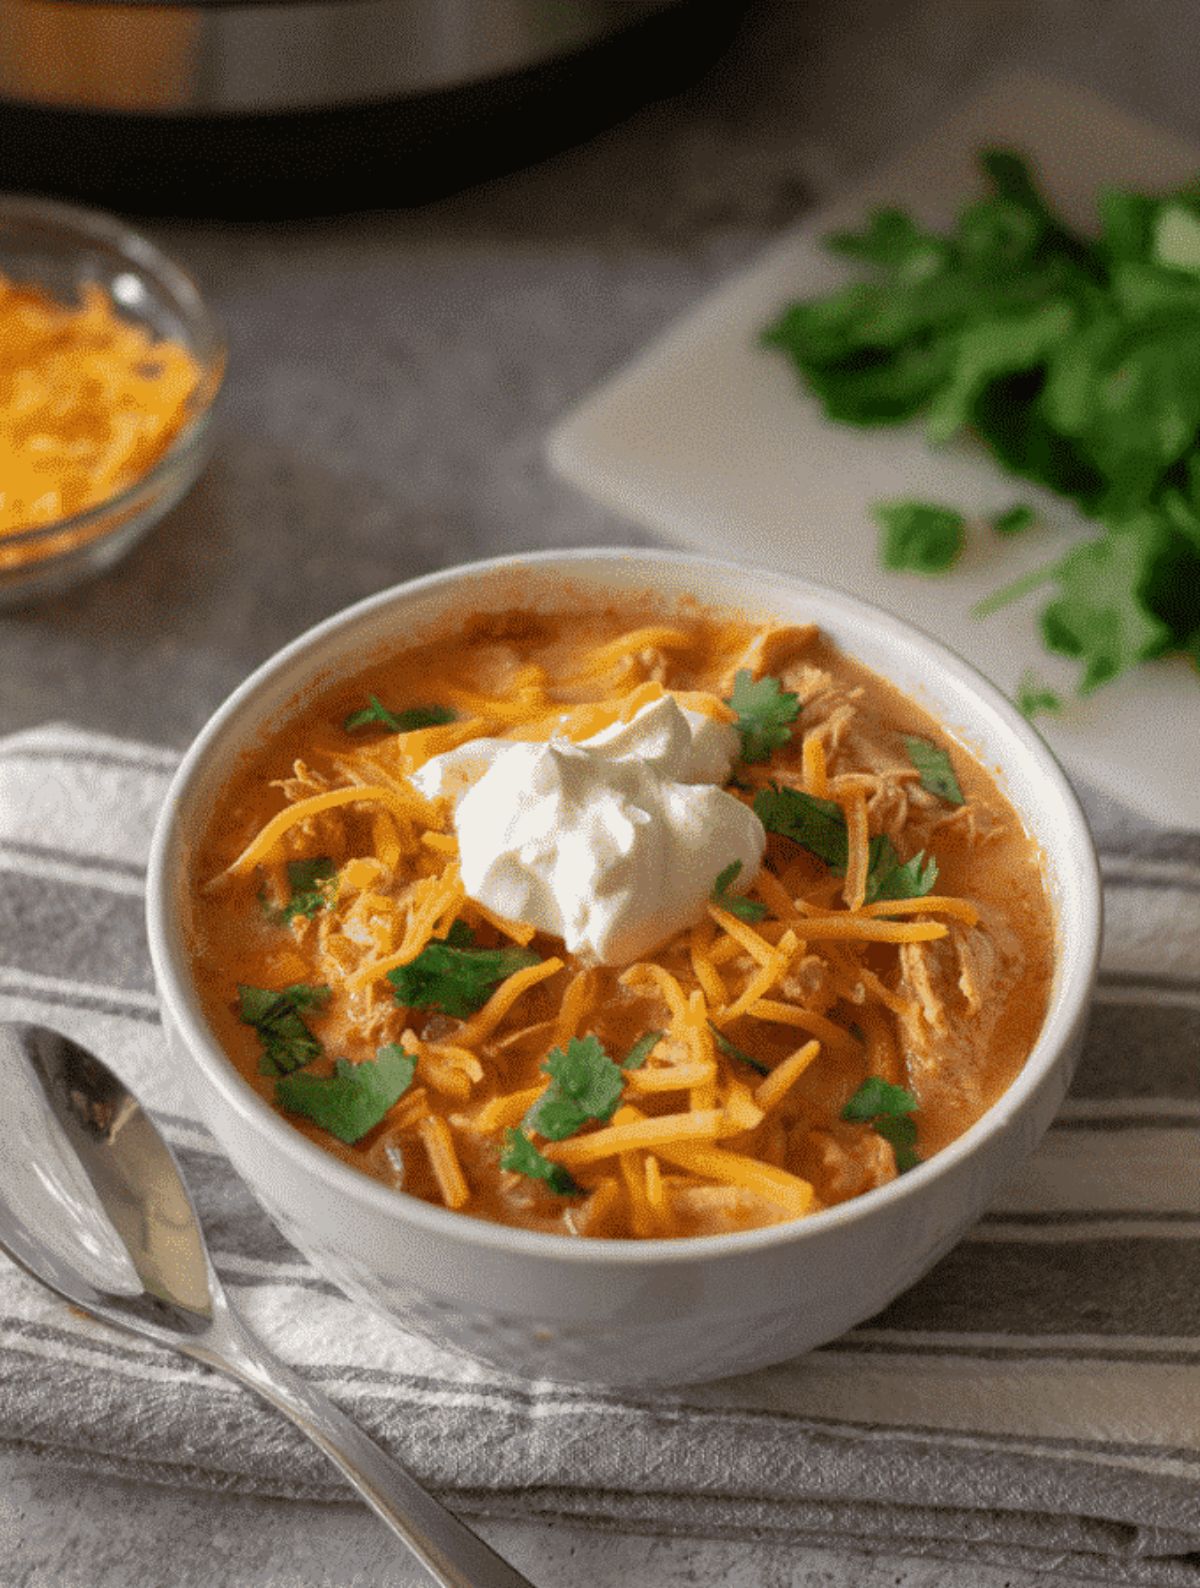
{"x":948,"y":1009}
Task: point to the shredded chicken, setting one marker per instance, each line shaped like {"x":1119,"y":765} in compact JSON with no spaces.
{"x":888,"y":797}
{"x":956,"y":983}
{"x":977,"y":822}
{"x":653,"y":664}
{"x":845,"y":1161}
{"x":810,"y":982}
{"x":302,"y":784}
{"x":807,"y":681}
{"x":494,"y":668}
{"x":712,"y":1209}
{"x":768,"y":651}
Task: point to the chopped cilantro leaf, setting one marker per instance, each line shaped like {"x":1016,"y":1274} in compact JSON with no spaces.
{"x":877,"y":1096}
{"x":452,"y":976}
{"x":765,"y":712}
{"x":901,"y":1134}
{"x":736,"y":903}
{"x":355,"y":1098}
{"x":732,"y":1051}
{"x":936,"y":769}
{"x":888,"y":1110}
{"x":815,"y":824}
{"x":312,"y":884}
{"x":585,"y":1085}
{"x":287,"y":1043}
{"x":1033,"y":696}
{"x":1014,"y":520}
{"x":1100,"y":614}
{"x":522,"y":1157}
{"x":820,"y":827}
{"x":641,"y":1050}
{"x":919,"y":537}
{"x":375,"y":713}
{"x":887,"y":878}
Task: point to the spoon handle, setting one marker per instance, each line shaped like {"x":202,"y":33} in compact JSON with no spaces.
{"x":454,"y":1555}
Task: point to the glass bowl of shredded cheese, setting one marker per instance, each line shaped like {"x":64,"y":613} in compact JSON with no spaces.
{"x":110,"y":361}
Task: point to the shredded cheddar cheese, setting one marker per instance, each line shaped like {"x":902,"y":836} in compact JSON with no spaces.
{"x":768,"y":1092}
{"x":481,"y":1026}
{"x":858,"y":842}
{"x":816,"y":779}
{"x":931,"y":904}
{"x":439,"y":1143}
{"x":869,"y":930}
{"x":268,"y":838}
{"x":88,"y":403}
{"x":629,"y":1133}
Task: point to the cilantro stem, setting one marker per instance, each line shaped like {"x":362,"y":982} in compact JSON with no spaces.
{"x":1015,"y":590}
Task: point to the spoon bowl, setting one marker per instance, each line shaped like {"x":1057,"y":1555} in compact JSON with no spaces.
{"x":96,"y":1206}
{"x":93,"y":1204}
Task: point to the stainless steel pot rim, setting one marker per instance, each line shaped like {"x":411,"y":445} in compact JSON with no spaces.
{"x":237,"y":57}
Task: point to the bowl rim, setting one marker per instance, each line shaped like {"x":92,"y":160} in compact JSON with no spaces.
{"x":179,"y":1003}
{"x":148,"y":260}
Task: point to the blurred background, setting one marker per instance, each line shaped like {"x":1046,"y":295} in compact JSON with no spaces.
{"x":393,"y":370}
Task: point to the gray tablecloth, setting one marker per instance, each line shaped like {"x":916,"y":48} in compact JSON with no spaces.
{"x":1033,"y":1400}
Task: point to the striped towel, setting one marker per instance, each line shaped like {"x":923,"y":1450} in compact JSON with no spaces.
{"x":1035,"y":1401}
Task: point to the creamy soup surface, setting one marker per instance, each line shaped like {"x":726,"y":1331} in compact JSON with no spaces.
{"x":816,"y":1029}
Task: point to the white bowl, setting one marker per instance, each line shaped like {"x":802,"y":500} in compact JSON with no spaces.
{"x":608,"y":1311}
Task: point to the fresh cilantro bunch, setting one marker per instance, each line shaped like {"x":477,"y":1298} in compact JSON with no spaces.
{"x":1075,"y":360}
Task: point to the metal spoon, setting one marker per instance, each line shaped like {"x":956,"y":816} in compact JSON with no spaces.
{"x":92,"y":1203}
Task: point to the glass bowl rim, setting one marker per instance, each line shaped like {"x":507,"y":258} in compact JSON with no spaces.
{"x":148,"y":262}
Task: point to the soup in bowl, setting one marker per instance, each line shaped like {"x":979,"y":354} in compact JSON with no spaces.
{"x":626,"y":967}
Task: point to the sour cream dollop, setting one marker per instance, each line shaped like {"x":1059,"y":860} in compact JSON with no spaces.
{"x":612,"y":844}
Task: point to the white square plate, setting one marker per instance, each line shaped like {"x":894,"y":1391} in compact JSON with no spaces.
{"x":708,"y":439}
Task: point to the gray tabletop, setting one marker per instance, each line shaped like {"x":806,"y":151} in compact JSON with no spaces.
{"x":392,"y":377}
